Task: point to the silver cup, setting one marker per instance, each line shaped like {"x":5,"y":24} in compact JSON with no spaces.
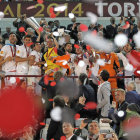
{"x":32,"y":22}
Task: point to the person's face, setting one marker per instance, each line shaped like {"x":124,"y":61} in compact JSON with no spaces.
{"x":119,"y":96}
{"x":78,"y":50}
{"x":48,"y":30}
{"x":12,"y":38}
{"x":73,"y":20}
{"x":67,"y":38}
{"x":23,"y":85}
{"x":8,"y":30}
{"x":79,"y":36}
{"x":67,"y":128}
{"x":27,"y":41}
{"x":68,"y":48}
{"x":127,"y":48}
{"x":93,"y":128}
{"x":38,"y":47}
{"x":50,"y":43}
{"x":56,"y":23}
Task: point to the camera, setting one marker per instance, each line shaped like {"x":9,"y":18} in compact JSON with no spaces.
{"x":108,"y":136}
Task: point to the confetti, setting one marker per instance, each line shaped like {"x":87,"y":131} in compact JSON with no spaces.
{"x":21,"y":104}
{"x":71,"y":15}
{"x":77,"y":116}
{"x":55,"y":33}
{"x":53,"y":83}
{"x":60,"y":8}
{"x":126,"y":26}
{"x":45,"y":65}
{"x":83,"y":28}
{"x":17,"y":79}
{"x":81,"y":63}
{"x":129,"y":67}
{"x":62,"y":79}
{"x":98,"y":43}
{"x":46,"y":80}
{"x":51,"y":10}
{"x":90,"y":105}
{"x":121,"y":40}
{"x":88,"y":47}
{"x":63,"y":138}
{"x":101,"y":62}
{"x":1,"y":15}
{"x":12,"y":80}
{"x":42,"y":123}
{"x":56,"y":114}
{"x":120,"y":113}
{"x":40,"y":29}
{"x":64,"y":63}
{"x":30,"y":7}
{"x":136,"y":38}
{"x":51,"y":100}
{"x":21,"y":29}
{"x":30,"y":44}
{"x":76,"y":46}
{"x":43,"y":101}
{"x":92,"y":17}
{"x":52,"y":15}
{"x":40,"y":1}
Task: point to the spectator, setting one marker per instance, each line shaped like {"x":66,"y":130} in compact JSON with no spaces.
{"x":51,"y":24}
{"x":68,"y":129}
{"x":6,"y":35}
{"x":58,"y":26}
{"x":73,"y":20}
{"x":103,"y":94}
{"x":19,"y":24}
{"x":122,"y":105}
{"x":131,"y":95}
{"x":93,"y":130}
{"x":86,"y":94}
{"x":55,"y":128}
{"x":132,"y":113}
{"x":111,"y":30}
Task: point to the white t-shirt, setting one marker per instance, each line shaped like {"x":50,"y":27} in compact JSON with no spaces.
{"x":23,"y":52}
{"x":6,"y":51}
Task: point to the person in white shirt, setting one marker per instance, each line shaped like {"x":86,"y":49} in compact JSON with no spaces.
{"x":7,"y":58}
{"x":34,"y":68}
{"x":23,"y":56}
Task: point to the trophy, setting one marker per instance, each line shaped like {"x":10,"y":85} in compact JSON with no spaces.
{"x":32,"y":22}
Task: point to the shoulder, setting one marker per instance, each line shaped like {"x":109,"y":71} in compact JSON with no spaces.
{"x":19,"y":47}
{"x":5,"y":47}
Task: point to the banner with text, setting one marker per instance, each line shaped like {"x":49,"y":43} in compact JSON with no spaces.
{"x":106,"y":8}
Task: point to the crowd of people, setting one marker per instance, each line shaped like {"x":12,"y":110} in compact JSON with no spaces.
{"x":76,"y":77}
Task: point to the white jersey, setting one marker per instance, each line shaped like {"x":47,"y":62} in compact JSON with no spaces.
{"x":23,"y":52}
{"x":6,"y":51}
{"x":38,"y":56}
